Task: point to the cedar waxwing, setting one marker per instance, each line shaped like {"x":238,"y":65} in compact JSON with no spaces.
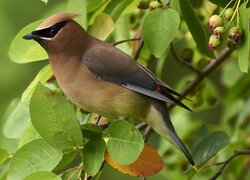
{"x":100,"y":78}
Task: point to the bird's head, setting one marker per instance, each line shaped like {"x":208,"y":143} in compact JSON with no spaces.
{"x":56,"y":32}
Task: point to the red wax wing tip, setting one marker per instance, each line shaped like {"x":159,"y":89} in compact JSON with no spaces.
{"x":158,"y":88}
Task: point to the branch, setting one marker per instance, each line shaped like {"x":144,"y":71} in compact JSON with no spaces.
{"x":147,"y":133}
{"x":226,"y":162}
{"x":125,"y":40}
{"x":190,"y":66}
{"x":205,"y":72}
{"x":138,"y":51}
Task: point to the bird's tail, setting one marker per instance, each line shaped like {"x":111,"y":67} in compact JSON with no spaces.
{"x":158,"y":118}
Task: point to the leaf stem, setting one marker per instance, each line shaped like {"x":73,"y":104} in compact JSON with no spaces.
{"x":235,"y":12}
{"x":225,"y":7}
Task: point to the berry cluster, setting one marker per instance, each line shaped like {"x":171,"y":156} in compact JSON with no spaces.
{"x":216,"y":25}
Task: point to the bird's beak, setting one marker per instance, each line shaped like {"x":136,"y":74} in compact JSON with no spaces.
{"x":31,"y":35}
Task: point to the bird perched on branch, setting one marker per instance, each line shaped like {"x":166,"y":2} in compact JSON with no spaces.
{"x":100,"y":78}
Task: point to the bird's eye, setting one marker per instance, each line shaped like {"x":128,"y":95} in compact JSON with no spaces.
{"x":53,"y":32}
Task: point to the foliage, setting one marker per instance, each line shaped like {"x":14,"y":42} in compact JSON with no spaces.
{"x":44,"y":136}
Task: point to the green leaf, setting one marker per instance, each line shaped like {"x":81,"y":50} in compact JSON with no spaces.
{"x":238,"y":90}
{"x":93,"y":5}
{"x":42,"y":175}
{"x":91,"y":131}
{"x":103,"y":26}
{"x":54,"y":119}
{"x":33,"y":157}
{"x":176,"y":6}
{"x":93,"y":156}
{"x":226,"y":77}
{"x":116,"y":7}
{"x":71,"y":174}
{"x":243,"y":48}
{"x":23,"y":51}
{"x":209,"y":146}
{"x":44,"y":74}
{"x":17,"y":120}
{"x":4,"y":155}
{"x":79,"y":7}
{"x":66,"y":161}
{"x":196,"y":28}
{"x":159,"y":28}
{"x":125,"y":142}
{"x":29,"y":134}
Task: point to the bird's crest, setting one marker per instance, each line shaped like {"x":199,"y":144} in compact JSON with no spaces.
{"x":56,"y":19}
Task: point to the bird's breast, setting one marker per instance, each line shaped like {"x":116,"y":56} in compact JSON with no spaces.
{"x":95,"y":95}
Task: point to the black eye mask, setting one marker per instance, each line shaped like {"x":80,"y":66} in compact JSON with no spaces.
{"x":49,"y":32}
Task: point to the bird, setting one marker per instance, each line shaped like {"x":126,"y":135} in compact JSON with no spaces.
{"x":99,"y":78}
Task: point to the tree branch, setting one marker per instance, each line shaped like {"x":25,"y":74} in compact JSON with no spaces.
{"x":205,"y":72}
{"x":190,"y":66}
{"x":138,"y":51}
{"x":226,"y":162}
{"x":125,"y":40}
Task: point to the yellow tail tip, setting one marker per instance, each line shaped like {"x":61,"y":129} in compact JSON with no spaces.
{"x":195,"y":168}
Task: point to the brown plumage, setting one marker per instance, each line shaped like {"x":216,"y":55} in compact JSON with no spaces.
{"x":100,"y":78}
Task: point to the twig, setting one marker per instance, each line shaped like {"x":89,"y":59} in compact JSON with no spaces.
{"x":147,"y":133}
{"x":205,"y":72}
{"x":78,"y":168}
{"x":141,"y":126}
{"x":68,"y":170}
{"x":137,"y":53}
{"x":125,"y":40}
{"x":225,"y":163}
{"x":98,"y":119}
{"x":190,"y":66}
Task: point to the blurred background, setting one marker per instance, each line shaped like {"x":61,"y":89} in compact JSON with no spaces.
{"x":14,"y":78}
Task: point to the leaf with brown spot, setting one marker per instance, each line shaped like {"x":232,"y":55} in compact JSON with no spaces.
{"x":149,"y":163}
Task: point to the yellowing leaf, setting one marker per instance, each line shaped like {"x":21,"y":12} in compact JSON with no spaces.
{"x":102,"y":27}
{"x":23,"y":51}
{"x":149,"y":163}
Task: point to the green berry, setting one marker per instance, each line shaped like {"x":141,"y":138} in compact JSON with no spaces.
{"x":214,"y":41}
{"x":187,"y":55}
{"x":228,"y":13}
{"x":154,"y":5}
{"x":218,"y":31}
{"x":215,"y":21}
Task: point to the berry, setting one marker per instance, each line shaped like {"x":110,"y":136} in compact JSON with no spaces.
{"x":154,"y":5}
{"x":235,"y":35}
{"x":215,"y":21}
{"x":187,"y":55}
{"x":228,"y":13}
{"x":214,"y":41}
{"x":218,"y":31}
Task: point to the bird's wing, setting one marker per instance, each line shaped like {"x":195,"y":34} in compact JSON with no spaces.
{"x":110,"y":64}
